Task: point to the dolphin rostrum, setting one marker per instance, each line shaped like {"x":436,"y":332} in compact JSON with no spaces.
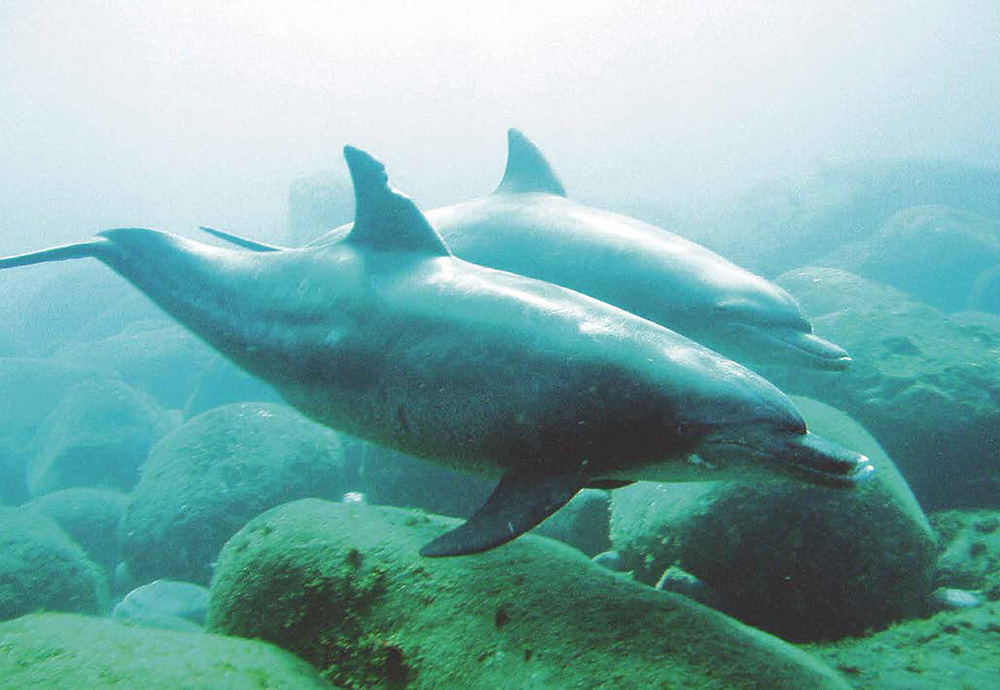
{"x":387,"y":336}
{"x":528,"y":226}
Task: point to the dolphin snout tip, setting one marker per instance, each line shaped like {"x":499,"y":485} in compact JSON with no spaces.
{"x":839,"y":363}
{"x":820,"y":461}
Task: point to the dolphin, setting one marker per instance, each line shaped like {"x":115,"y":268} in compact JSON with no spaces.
{"x":529,"y":226}
{"x":387,"y":336}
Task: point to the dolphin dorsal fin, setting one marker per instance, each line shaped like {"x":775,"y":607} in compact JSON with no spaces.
{"x":527,"y":170}
{"x":384,"y":218}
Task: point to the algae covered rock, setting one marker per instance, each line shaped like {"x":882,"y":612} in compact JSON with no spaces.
{"x":41,"y":568}
{"x":970,"y":549}
{"x":802,"y":562}
{"x":67,"y":651}
{"x":956,"y":649}
{"x":90,"y":517}
{"x":98,"y":436}
{"x":342,"y":586}
{"x":203,"y":481}
{"x":927,"y":387}
{"x":933,"y":253}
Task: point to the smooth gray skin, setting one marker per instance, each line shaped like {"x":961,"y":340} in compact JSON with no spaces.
{"x":528,"y":226}
{"x":388,"y":337}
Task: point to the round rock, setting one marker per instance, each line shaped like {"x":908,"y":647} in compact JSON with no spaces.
{"x":213,"y":473}
{"x":98,"y":436}
{"x":803,"y":562}
{"x":41,"y":568}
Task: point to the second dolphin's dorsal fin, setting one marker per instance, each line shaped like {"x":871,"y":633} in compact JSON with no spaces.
{"x":527,"y":170}
{"x":384,"y":218}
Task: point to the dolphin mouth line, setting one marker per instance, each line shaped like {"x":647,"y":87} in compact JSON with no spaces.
{"x":810,"y":473}
{"x":811,"y":346}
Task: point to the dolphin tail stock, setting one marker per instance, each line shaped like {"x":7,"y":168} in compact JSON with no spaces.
{"x":93,"y":248}
{"x":240,"y":241}
{"x":521,"y":500}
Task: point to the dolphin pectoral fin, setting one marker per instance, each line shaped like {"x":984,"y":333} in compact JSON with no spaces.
{"x":521,"y":500}
{"x":90,"y":248}
{"x":527,"y":170}
{"x":244,"y":242}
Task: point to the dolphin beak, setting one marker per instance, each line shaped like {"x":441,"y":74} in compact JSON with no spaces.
{"x":819,"y":353}
{"x":817,"y":460}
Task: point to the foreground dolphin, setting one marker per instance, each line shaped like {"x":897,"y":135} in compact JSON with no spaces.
{"x":388,"y":337}
{"x":528,"y":226}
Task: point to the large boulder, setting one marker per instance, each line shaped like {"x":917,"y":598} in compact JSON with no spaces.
{"x":90,"y":517}
{"x":213,"y":473}
{"x":41,"y":568}
{"x":66,"y":651}
{"x":803,"y":562}
{"x":927,"y":387}
{"x":343,"y":587}
{"x":792,"y":223}
{"x":98,"y":436}
{"x":933,"y":253}
{"x":155,"y":355}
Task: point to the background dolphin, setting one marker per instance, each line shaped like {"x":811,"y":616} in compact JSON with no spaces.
{"x":528,"y":226}
{"x":387,"y":336}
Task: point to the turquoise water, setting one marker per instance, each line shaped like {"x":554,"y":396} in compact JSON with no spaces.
{"x":785,"y":186}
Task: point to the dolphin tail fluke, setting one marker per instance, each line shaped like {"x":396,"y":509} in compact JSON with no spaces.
{"x":244,"y":242}
{"x":80,"y":250}
{"x":521,"y":501}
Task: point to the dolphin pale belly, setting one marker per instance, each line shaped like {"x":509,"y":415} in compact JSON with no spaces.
{"x":528,"y":226}
{"x":387,"y":336}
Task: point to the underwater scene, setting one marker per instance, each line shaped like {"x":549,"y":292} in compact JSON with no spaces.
{"x":501,"y":345}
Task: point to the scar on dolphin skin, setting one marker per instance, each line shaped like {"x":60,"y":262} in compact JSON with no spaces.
{"x":500,"y":374}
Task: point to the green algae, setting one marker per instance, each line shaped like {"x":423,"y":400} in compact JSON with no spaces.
{"x":70,"y":651}
{"x":343,"y":587}
{"x":41,"y":568}
{"x":959,"y":650}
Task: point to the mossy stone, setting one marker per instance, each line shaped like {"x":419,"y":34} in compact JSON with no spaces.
{"x":803,"y":562}
{"x":69,"y":651}
{"x":203,"y":482}
{"x":41,"y":568}
{"x":90,"y":517}
{"x":342,"y":586}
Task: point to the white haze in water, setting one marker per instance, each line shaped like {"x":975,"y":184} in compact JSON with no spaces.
{"x":174,"y":114}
